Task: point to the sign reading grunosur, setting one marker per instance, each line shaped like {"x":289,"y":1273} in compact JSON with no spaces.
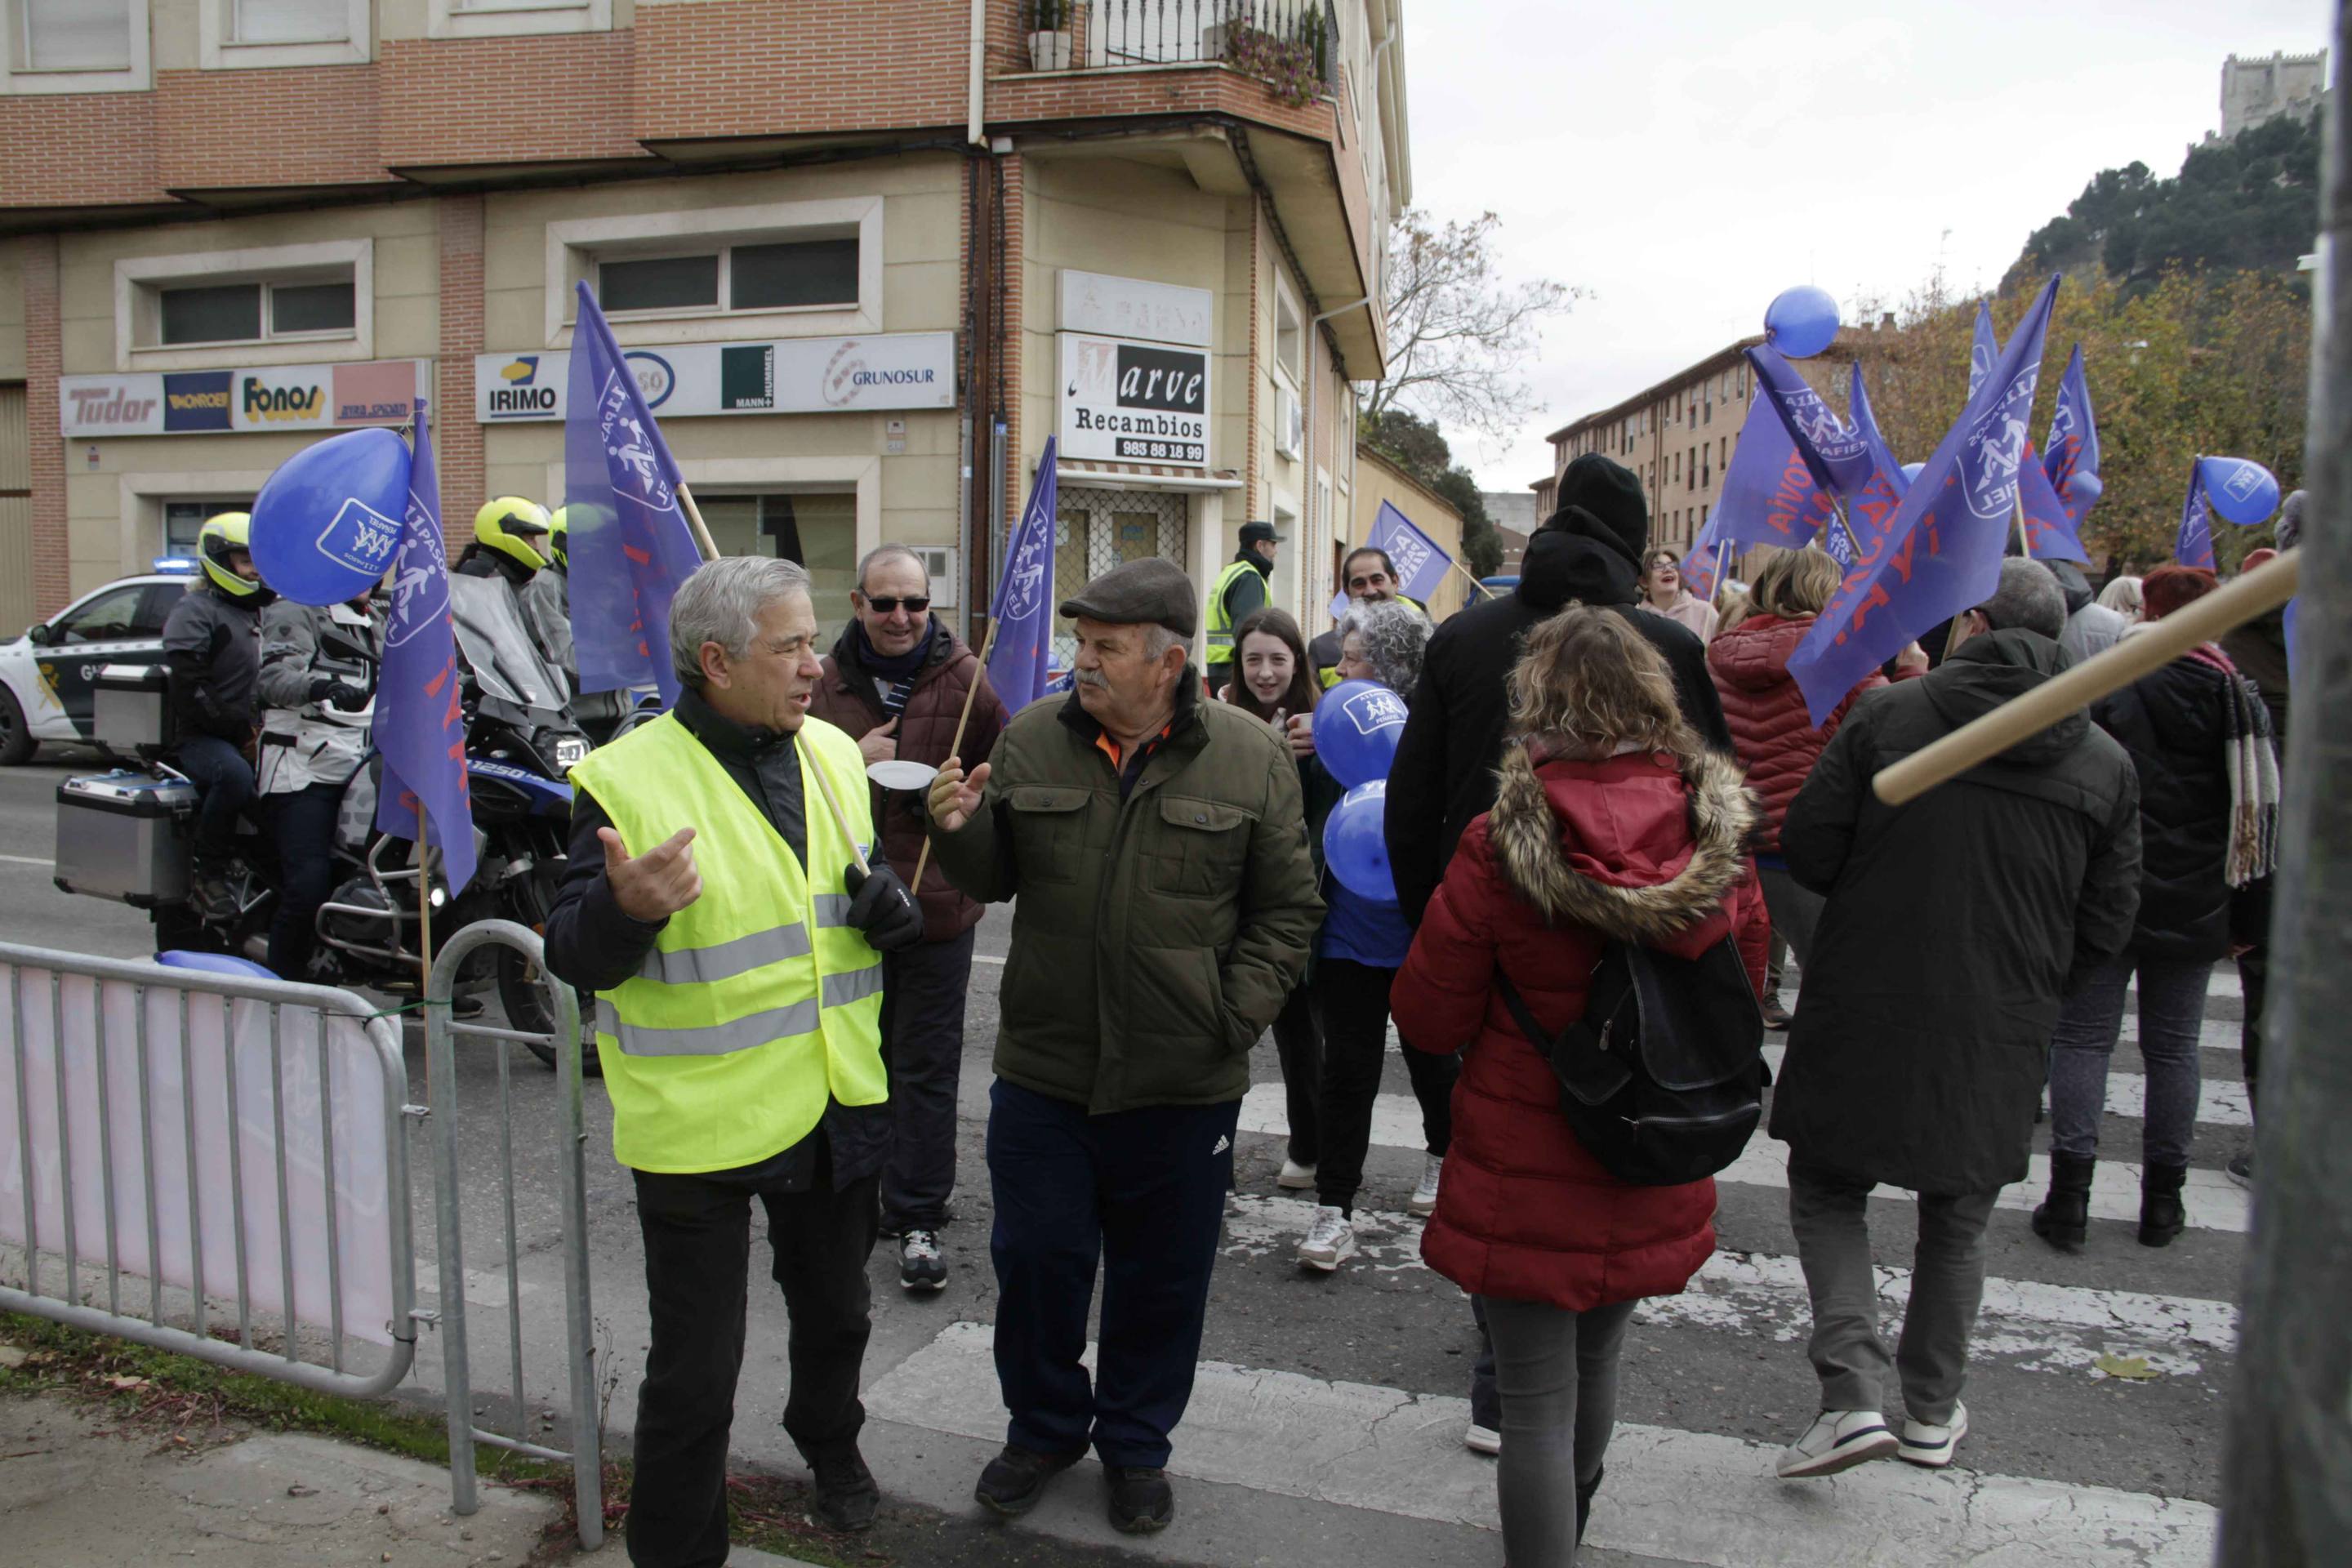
{"x":783,"y":376}
{"x":1131,"y":402}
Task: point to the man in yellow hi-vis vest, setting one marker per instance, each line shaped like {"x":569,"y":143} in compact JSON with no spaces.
{"x":1239,"y":589}
{"x":712,"y":900}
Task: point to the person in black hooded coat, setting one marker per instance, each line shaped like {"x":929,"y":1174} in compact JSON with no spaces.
{"x":1590,"y":551}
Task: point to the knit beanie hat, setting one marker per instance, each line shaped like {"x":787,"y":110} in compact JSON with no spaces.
{"x":1609,"y":495}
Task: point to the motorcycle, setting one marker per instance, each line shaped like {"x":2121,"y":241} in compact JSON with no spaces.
{"x":520,"y":741}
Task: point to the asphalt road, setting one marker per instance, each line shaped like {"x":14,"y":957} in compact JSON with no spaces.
{"x":1326,"y":1426}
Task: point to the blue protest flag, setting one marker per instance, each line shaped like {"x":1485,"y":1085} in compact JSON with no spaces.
{"x":1876,"y":502}
{"x":1982,"y":352}
{"x":1865,"y":425}
{"x":1699,"y":567}
{"x":1768,"y":494}
{"x":2050,"y":531}
{"x":630,"y":548}
{"x":1020,"y":619}
{"x":1834,"y":451}
{"x":1421,"y":562}
{"x":2073,"y":446}
{"x":420,"y":724}
{"x":1939,"y":552}
{"x":2193,"y":545}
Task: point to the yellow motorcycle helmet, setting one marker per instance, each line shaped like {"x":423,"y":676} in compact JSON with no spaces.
{"x":224,"y":534}
{"x":559,"y":536}
{"x":515,"y":528}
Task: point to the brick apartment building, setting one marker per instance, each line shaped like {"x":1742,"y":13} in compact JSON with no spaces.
{"x":864,"y":258}
{"x":1677,"y":436}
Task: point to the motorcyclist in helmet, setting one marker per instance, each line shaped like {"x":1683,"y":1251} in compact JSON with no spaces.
{"x":319,"y":666}
{"x":547,"y":611}
{"x":212,"y":644}
{"x":511,"y":540}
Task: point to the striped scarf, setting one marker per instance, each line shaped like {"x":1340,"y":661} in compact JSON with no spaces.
{"x":2251,"y":760}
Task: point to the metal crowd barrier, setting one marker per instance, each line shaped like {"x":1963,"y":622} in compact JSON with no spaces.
{"x":202,"y":1179}
{"x":441,"y":1033}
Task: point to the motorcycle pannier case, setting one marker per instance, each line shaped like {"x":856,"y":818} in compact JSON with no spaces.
{"x":131,"y":714}
{"x":120,"y":836}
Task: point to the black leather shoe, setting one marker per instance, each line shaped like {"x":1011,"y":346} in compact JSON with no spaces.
{"x":847,"y":1497}
{"x":1016,"y":1478}
{"x":1141,"y":1500}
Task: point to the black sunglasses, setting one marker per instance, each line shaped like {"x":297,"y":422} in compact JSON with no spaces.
{"x":886,"y":604}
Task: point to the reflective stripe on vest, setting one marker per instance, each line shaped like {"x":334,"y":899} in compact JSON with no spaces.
{"x":1221,"y":625}
{"x":760,"y":1005}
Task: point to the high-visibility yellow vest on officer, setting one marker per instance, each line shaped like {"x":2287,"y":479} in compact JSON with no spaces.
{"x":1221,"y":620}
{"x":758,"y":1002}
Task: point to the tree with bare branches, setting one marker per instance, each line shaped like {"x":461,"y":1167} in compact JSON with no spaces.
{"x":1456,"y":332}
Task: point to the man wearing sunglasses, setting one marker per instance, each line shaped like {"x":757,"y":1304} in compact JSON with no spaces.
{"x":897,"y":678}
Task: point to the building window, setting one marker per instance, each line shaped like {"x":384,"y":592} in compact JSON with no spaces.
{"x":1289,"y":337}
{"x":183,"y":518}
{"x":172,"y":311}
{"x":290,"y":22}
{"x":77,"y":45}
{"x":496,"y":18}
{"x":720,"y":274}
{"x":788,"y":274}
{"x":253,"y":312}
{"x":241,"y":34}
{"x":818,"y":531}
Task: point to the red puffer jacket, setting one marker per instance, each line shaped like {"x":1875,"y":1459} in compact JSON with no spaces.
{"x":1607,"y":848}
{"x":1771,"y":733}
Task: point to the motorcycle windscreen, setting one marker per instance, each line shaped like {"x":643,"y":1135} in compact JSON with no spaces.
{"x":493,"y":640}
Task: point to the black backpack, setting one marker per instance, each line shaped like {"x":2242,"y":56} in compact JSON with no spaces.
{"x":1663,"y":1079}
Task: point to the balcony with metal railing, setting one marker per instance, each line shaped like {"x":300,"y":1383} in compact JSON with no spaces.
{"x":1291,"y":45}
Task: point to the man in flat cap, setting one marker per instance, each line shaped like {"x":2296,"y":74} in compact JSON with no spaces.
{"x":1156,"y":844}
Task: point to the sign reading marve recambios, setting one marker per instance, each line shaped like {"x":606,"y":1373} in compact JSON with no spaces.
{"x":275,"y":397}
{"x":1127,"y":401}
{"x":783,"y":376}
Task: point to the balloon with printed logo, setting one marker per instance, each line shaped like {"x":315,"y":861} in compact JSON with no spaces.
{"x":1801,"y":321}
{"x":1356,"y":726}
{"x":2240,"y":491}
{"x":327,"y":524}
{"x":1355,"y":844}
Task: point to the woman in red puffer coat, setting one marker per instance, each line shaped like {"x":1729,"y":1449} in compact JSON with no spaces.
{"x":1771,"y":732}
{"x":1611,"y":822}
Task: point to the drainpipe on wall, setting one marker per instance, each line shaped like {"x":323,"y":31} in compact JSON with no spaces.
{"x":972,"y":117}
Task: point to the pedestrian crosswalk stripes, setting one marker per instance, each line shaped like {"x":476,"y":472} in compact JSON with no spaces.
{"x":1688,"y":1497}
{"x":2026,"y":1323}
{"x":2213,"y":1202}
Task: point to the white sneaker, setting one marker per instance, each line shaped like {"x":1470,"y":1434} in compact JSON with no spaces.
{"x":1925,"y":1443}
{"x":1837,"y":1440}
{"x":1298,"y":1178}
{"x":1481,"y":1439}
{"x":1330,"y":1240}
{"x":1424,"y":1196}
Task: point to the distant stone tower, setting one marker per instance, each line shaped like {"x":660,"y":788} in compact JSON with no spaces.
{"x":2256,"y":91}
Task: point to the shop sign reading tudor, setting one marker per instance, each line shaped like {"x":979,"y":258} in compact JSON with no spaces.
{"x":1131,"y":402}
{"x":200,"y":402}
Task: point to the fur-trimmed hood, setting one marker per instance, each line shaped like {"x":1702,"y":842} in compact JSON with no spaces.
{"x":1628,"y":847}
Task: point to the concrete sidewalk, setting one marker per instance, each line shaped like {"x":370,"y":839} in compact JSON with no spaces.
{"x":75,"y":1492}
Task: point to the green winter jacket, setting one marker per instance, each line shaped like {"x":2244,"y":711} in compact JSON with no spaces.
{"x":1155,"y":936}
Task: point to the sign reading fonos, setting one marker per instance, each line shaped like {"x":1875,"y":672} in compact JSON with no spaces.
{"x":783,"y":376}
{"x":1131,"y":402}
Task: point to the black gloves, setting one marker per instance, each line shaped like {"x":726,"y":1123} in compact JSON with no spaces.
{"x":344,"y":696}
{"x":881,"y":907}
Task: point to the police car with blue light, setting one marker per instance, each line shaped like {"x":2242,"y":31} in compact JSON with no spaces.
{"x":48,"y":674}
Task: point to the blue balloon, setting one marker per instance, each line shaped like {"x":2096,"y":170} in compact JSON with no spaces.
{"x":1911,"y":472}
{"x":2084,"y":488}
{"x":1356,"y":847}
{"x":1801,"y":321}
{"x":215,"y":963}
{"x":327,"y":523}
{"x":2241,"y":493}
{"x":1356,"y":726}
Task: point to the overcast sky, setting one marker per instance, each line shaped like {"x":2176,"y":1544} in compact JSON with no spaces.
{"x":1684,"y":160}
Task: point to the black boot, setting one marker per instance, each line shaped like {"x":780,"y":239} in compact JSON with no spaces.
{"x":1584,"y":1503}
{"x":2065,"y":1217}
{"x":2161,"y":1215}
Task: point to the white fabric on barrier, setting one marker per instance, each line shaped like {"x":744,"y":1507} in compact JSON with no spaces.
{"x":195,"y":1071}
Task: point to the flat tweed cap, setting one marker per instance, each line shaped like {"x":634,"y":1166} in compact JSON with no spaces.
{"x":1150,"y":591}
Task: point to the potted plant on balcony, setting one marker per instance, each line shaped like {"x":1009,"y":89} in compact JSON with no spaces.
{"x":1049,"y":35}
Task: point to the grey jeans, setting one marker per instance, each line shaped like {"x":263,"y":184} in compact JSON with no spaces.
{"x":2172,"y":1017}
{"x":1829,"y":1212}
{"x":1557,"y":1372}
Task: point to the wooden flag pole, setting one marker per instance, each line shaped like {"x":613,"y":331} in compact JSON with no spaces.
{"x":2256,"y":593}
{"x":1483,"y":591}
{"x":1853,"y":539}
{"x":955,"y":747}
{"x":694,"y":519}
